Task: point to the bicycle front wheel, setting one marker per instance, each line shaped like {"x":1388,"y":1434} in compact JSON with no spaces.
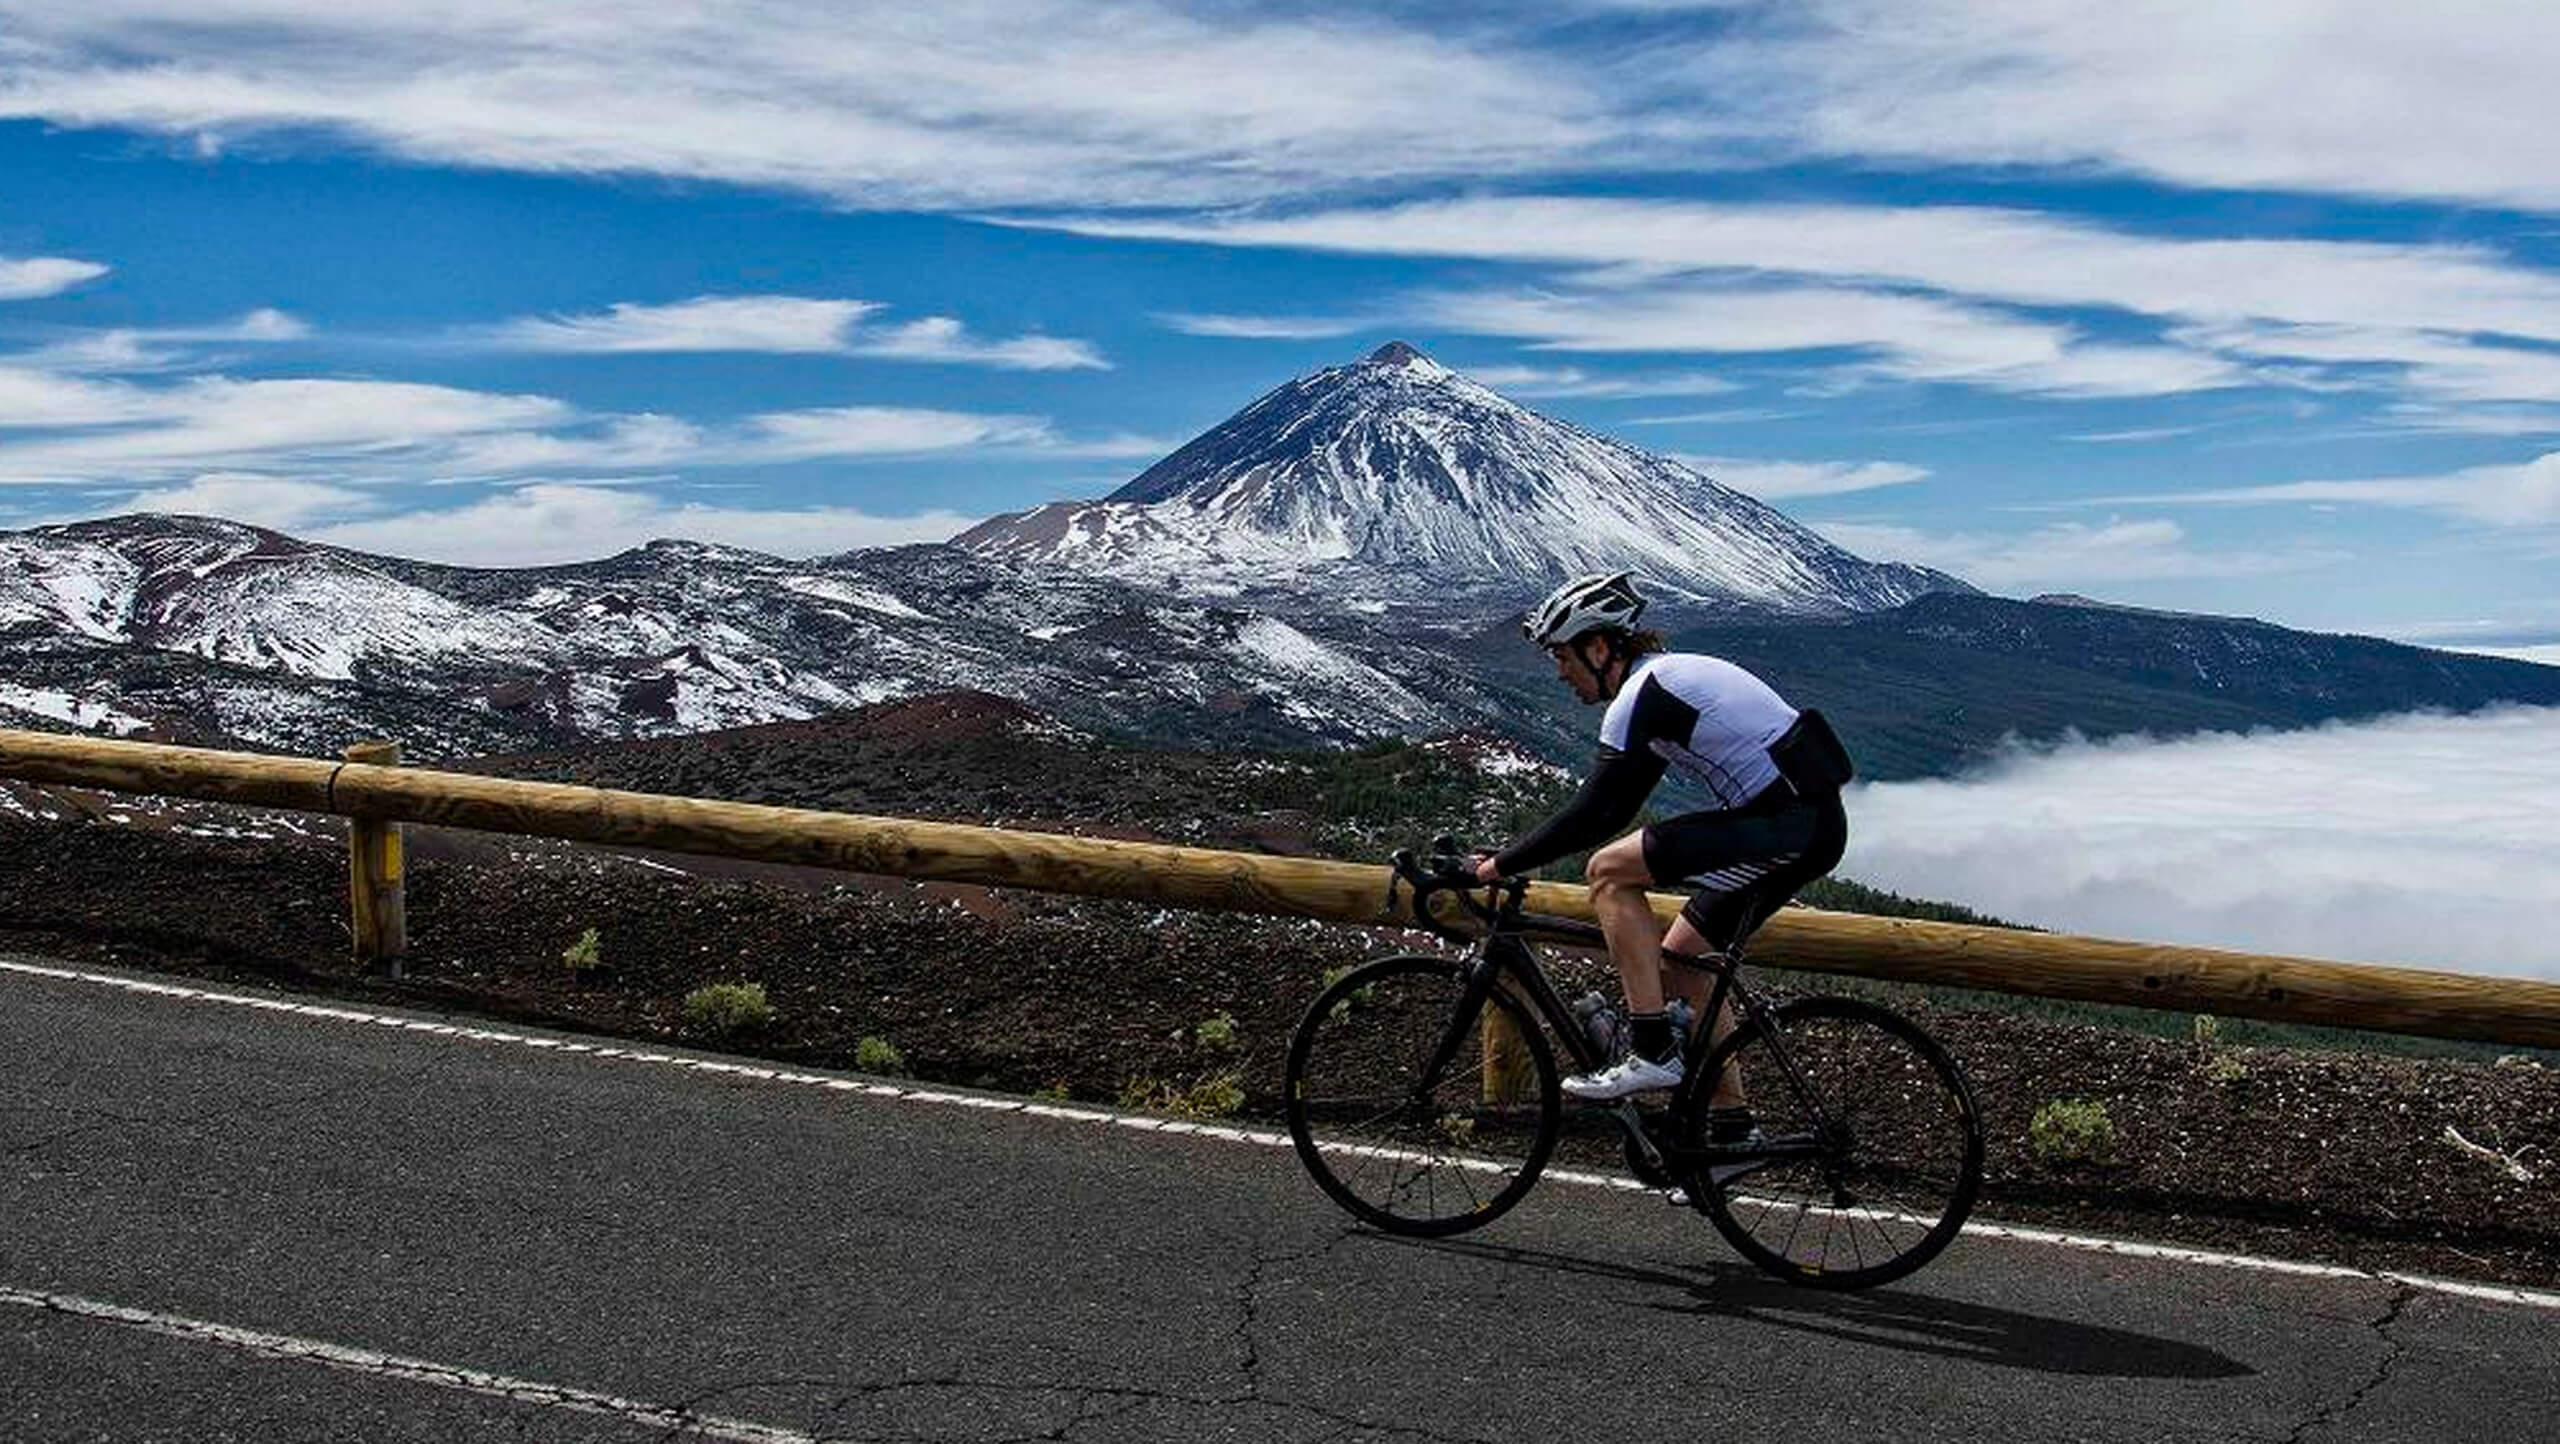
{"x":1412,"y":1151}
{"x":1869,"y":1154}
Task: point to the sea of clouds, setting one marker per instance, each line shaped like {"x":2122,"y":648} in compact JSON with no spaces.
{"x":2423,"y":840}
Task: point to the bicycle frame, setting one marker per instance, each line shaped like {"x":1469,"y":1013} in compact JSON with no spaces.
{"x":1504,"y":955}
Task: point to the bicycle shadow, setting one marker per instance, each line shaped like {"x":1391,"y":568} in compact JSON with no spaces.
{"x":1885,"y":1318}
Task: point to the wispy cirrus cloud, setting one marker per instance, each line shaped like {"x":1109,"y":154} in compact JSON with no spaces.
{"x":968,"y":102}
{"x":1995,"y":254}
{"x":1572,"y":382}
{"x":128,"y":350}
{"x":1882,"y":335}
{"x":548,"y":523}
{"x":28,"y":279}
{"x":536,"y":523}
{"x":1790,"y":480}
{"x":786,"y":325}
{"x":2070,"y":556}
{"x":1266,"y":328}
{"x":1128,"y":103}
{"x":2378,"y":100}
{"x":76,"y":429}
{"x":2526,"y":494}
{"x":1955,"y":293}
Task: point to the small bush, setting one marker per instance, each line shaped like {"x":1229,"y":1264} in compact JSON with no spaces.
{"x":587,"y":952}
{"x":1356,"y":999}
{"x":1218,"y":1032}
{"x":1217,"y":1095}
{"x":879,"y":1055}
{"x":723,"y":1009}
{"x":2071,"y":1130}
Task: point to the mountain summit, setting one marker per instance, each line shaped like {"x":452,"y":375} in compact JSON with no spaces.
{"x":1397,"y":475}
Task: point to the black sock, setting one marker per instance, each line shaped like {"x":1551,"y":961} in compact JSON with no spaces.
{"x":1652,"y":1035}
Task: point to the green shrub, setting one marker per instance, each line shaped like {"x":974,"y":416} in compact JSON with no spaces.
{"x":1358,"y":998}
{"x":1216,"y":1095}
{"x":2071,"y":1130}
{"x":723,"y":1009}
{"x":1218,"y":1032}
{"x":587,"y":952}
{"x":879,"y":1055}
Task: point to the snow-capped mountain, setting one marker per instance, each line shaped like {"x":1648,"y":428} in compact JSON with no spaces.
{"x":1397,"y":477}
{"x":203,"y":629}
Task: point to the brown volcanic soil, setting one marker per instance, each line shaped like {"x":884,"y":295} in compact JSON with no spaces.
{"x":2327,"y":1155}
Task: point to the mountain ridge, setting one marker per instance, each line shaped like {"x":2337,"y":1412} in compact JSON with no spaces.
{"x":1398,"y":476}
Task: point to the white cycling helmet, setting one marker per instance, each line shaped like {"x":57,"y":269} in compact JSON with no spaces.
{"x":1585,"y":604}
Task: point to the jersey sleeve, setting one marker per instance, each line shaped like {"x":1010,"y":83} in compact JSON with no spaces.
{"x":1609,"y":799}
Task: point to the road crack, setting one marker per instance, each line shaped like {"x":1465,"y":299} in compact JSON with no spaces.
{"x":2392,"y":1350}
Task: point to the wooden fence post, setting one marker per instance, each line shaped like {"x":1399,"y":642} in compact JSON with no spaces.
{"x":1507,"y":1073}
{"x":374,"y":868}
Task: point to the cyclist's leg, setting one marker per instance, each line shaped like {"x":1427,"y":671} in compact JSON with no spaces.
{"x":1743,"y":865}
{"x":1618,"y":878}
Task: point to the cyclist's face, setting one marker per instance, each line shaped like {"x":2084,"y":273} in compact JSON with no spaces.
{"x":1574,"y":667}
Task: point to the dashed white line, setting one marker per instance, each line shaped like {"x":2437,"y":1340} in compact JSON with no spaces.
{"x":378,"y":1365}
{"x":1257,"y":1137}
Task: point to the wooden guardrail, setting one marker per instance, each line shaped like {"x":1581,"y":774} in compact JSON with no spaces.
{"x":2185,"y":979}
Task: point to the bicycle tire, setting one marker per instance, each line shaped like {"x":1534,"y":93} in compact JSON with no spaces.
{"x":1881,"y":1191}
{"x":1421,"y":1162}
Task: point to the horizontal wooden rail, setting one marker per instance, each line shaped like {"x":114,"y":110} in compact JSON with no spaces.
{"x":2185,"y":979}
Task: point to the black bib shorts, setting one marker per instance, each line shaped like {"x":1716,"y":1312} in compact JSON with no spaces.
{"x":1743,"y":863}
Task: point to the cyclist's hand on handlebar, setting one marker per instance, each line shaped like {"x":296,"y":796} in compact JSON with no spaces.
{"x":1482,"y":864}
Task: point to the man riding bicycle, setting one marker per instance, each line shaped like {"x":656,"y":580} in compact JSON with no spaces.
{"x":1778,"y":824}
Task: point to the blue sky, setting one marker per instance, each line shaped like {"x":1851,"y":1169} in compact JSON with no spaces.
{"x":2247,"y":309}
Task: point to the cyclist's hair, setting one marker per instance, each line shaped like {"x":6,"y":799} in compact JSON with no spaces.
{"x":1632,"y":645}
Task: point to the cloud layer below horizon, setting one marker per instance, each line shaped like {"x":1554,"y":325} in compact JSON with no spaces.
{"x":2420,"y":840}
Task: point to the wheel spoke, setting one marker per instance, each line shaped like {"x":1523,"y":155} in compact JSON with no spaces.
{"x":1411,"y":1158}
{"x":1898,"y":1165}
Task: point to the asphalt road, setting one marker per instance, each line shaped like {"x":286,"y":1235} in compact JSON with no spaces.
{"x":224,"y":1222}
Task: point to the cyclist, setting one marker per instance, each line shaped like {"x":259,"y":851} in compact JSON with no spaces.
{"x":1775,"y":773}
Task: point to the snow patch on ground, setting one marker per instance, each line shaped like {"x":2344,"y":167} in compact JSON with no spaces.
{"x":81,"y":712}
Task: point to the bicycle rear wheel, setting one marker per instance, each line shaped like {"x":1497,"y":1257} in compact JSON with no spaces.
{"x":1411,"y":1154}
{"x":1870,"y":1149}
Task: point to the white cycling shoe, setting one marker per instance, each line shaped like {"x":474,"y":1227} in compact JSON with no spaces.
{"x":1634,"y":1073}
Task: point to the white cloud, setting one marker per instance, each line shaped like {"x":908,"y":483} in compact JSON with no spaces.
{"x":2449,"y":100}
{"x":1265,"y":328}
{"x":2432,"y":364}
{"x":43,"y":276}
{"x":783,"y":324}
{"x":1778,"y":480}
{"x":280,"y":503}
{"x":787,"y":325}
{"x":216,"y":423}
{"x":965,"y":102}
{"x":549,"y":522}
{"x":2522,"y":495}
{"x":2067,"y":556}
{"x":1572,"y":382}
{"x":2545,"y":654}
{"x":1910,"y":338}
{"x":328,"y":430}
{"x":130,"y":350}
{"x":2017,"y":258}
{"x":2421,"y":840}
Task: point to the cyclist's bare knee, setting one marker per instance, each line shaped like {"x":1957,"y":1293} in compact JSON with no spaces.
{"x":1619,"y":866}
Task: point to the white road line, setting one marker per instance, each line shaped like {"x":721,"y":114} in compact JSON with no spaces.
{"x":1258,"y":1137}
{"x":417,"y":1371}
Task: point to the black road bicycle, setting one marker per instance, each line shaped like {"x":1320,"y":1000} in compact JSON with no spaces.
{"x":1861,"y":1160}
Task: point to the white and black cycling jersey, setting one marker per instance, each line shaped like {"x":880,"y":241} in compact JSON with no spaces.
{"x":1703,"y":715}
